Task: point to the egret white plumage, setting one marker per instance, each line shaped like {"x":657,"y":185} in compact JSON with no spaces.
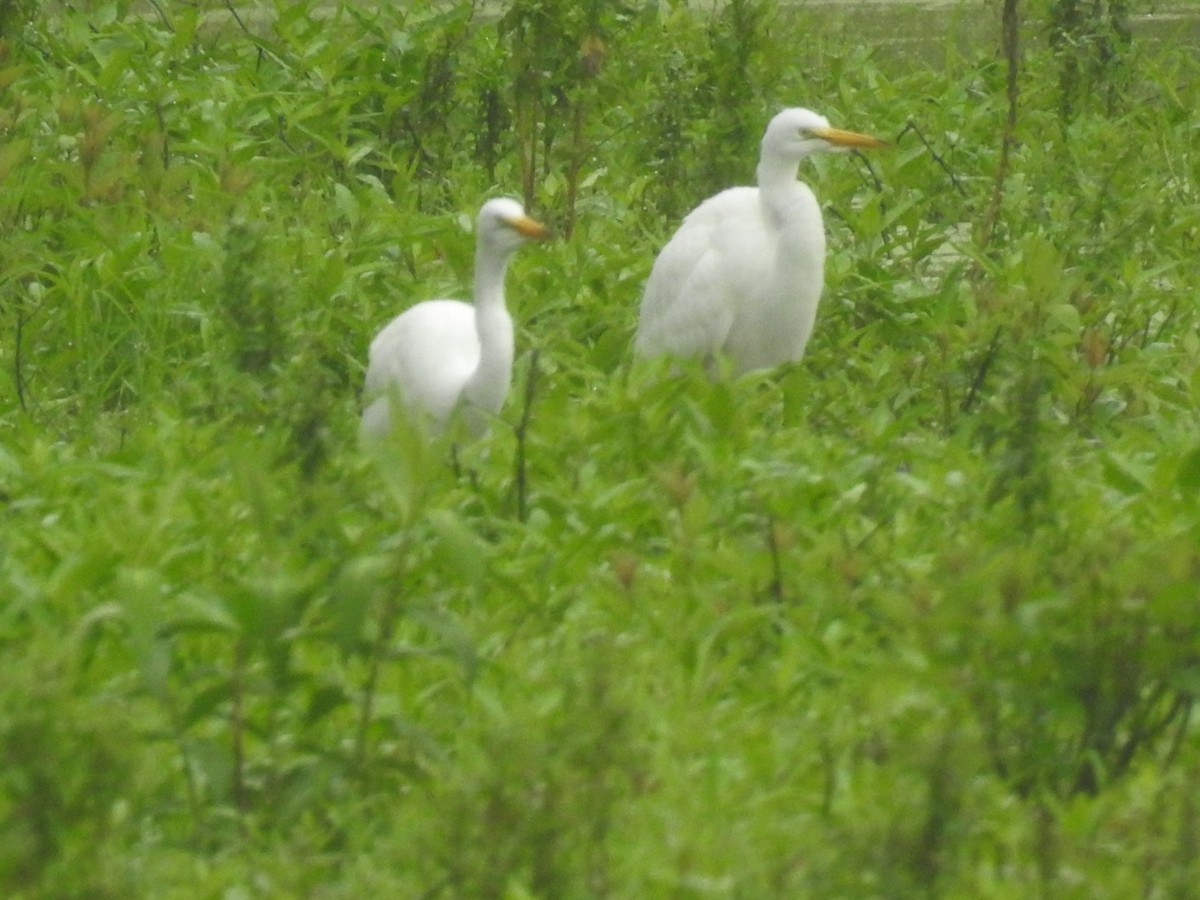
{"x":443,"y":355}
{"x":743,"y":275}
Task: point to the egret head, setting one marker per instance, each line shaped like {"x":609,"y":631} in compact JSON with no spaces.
{"x":502,"y":223}
{"x":796,"y":133}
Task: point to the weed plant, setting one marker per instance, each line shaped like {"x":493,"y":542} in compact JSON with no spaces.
{"x":916,"y":616}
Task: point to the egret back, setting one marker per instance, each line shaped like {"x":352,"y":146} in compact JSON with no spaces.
{"x":426,"y":355}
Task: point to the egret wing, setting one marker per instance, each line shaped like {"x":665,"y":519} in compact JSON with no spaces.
{"x":431,"y":350}
{"x":685,"y":311}
{"x":702,"y":277}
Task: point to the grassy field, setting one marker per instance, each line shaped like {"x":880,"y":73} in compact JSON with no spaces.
{"x":916,"y":617}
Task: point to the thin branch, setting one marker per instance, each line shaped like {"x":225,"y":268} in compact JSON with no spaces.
{"x":989,"y":356}
{"x":233,"y":11}
{"x":383,"y":636}
{"x":1185,"y":703}
{"x":166,"y":140}
{"x":1164,"y":324}
{"x":162,"y":15}
{"x":776,"y":585}
{"x":870,"y":168}
{"x":281,"y":126}
{"x":18,"y":357}
{"x":520,"y":477}
{"x":1011,"y":38}
{"x":258,"y":42}
{"x":937,"y":157}
{"x":237,"y":724}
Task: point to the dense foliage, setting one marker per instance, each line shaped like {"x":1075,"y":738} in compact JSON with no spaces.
{"x":915,"y":617}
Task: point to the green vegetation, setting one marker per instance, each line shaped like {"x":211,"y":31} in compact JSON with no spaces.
{"x":915,"y":617}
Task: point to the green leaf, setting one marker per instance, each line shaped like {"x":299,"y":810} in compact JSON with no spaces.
{"x":360,"y":152}
{"x":203,"y":704}
{"x":1188,"y":476}
{"x":1119,"y":474}
{"x":459,"y":548}
{"x":361,"y":581}
{"x":346,"y":203}
{"x":322,"y":702}
{"x":12,"y":155}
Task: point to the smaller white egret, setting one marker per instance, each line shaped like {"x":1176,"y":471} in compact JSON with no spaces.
{"x":441,"y":355}
{"x":743,"y":275}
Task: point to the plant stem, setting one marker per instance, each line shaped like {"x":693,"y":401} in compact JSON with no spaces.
{"x":1011,"y":47}
{"x":237,"y":724}
{"x":383,"y":636}
{"x":520,"y":477}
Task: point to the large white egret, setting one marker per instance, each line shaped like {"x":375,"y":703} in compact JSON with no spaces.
{"x":743,"y":275}
{"x":441,"y":355}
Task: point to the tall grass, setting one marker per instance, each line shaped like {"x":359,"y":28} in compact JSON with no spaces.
{"x":916,"y":616}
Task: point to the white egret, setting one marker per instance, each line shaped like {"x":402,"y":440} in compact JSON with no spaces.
{"x":743,"y":275}
{"x":441,"y":355}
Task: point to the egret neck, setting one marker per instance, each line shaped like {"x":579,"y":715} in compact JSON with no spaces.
{"x":489,"y":384}
{"x":782,"y":324}
{"x":777,"y":185}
